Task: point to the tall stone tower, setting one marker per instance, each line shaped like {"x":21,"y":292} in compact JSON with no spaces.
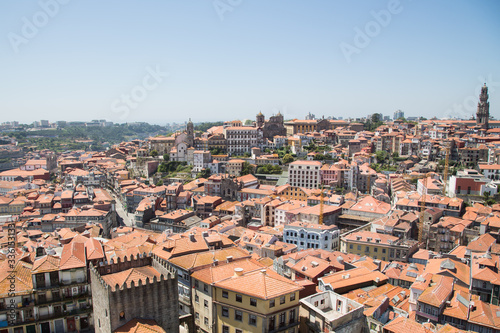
{"x":260,"y":120}
{"x":140,"y":287}
{"x":190,"y":133}
{"x":483,"y":109}
{"x":279,"y":118}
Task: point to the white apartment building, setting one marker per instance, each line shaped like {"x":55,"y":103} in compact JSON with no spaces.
{"x":304,"y":174}
{"x":491,"y":171}
{"x":312,"y":236}
{"x":241,"y":139}
{"x":201,"y":159}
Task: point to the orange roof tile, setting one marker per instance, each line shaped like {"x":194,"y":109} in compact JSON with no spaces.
{"x":73,"y":256}
{"x":94,"y":249}
{"x":263,"y":284}
{"x":353,"y":277}
{"x":139,"y":325}
{"x":405,"y":325}
{"x":46,"y":263}
{"x":22,"y":274}
{"x":224,"y":270}
{"x":200,"y":259}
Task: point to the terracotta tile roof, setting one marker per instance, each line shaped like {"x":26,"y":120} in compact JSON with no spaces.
{"x":422,"y":254}
{"x":404,"y":271}
{"x":300,"y":162}
{"x":200,"y":259}
{"x":449,"y":267}
{"x":447,"y":328}
{"x":438,"y":293}
{"x":371,"y":205}
{"x":422,"y":281}
{"x":369,"y":263}
{"x":94,"y":249}
{"x":247,"y":178}
{"x":459,"y":251}
{"x":22,"y":274}
{"x":481,"y":243}
{"x":353,"y":277}
{"x":79,"y":238}
{"x":224,"y":270}
{"x":73,"y":256}
{"x":312,"y":267}
{"x":266,"y":261}
{"x":458,"y":307}
{"x":485,"y":314}
{"x":46,"y":263}
{"x":363,"y":236}
{"x":395,"y":294}
{"x":125,"y":278}
{"x":405,"y":325}
{"x":140,"y":326}
{"x":263,"y":284}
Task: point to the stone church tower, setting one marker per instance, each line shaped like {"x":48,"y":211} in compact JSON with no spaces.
{"x":190,"y":133}
{"x":261,"y":119}
{"x":483,"y":109}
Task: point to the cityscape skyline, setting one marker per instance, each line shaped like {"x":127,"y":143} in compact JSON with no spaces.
{"x":149,"y":62}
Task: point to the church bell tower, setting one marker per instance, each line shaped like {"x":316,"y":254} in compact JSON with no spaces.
{"x":483,"y":109}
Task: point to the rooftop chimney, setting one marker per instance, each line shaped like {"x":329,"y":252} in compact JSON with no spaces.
{"x":229,"y":258}
{"x":238,"y":271}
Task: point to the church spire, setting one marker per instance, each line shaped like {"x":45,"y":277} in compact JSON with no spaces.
{"x":483,"y":109}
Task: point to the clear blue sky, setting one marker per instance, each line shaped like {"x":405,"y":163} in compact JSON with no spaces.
{"x":250,"y":56}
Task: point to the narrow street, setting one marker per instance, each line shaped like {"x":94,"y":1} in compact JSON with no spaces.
{"x":123,"y":218}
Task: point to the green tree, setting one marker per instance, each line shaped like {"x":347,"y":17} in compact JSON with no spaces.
{"x":162,"y":167}
{"x":166,"y":157}
{"x":269,"y":169}
{"x":381,"y":156}
{"x":204,"y":173}
{"x":488,"y":200}
{"x":159,"y":183}
{"x":216,"y":151}
{"x":154,"y":153}
{"x":319,"y":157}
{"x":310,"y":147}
{"x":287,"y":159}
{"x":246,"y":169}
{"x":376,"y":118}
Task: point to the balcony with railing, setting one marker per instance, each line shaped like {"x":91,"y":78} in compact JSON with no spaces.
{"x":19,"y":320}
{"x":65,"y":313}
{"x":63,"y":298}
{"x":18,"y":306}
